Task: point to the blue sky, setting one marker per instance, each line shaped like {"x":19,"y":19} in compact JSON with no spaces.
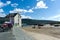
{"x":33,"y":9}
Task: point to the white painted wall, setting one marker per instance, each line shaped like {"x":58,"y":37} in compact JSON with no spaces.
{"x":17,"y":19}
{"x":20,"y":21}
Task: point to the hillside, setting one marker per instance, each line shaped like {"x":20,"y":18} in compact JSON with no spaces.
{"x":35,"y":22}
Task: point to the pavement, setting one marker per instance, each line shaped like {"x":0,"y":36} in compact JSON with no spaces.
{"x":15,"y":34}
{"x":20,"y":34}
{"x":7,"y":36}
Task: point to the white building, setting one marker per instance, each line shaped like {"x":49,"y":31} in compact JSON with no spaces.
{"x":14,"y":18}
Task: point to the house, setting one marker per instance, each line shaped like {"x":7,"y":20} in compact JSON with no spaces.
{"x":14,"y":18}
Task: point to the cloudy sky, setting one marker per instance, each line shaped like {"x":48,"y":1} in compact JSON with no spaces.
{"x":33,"y":9}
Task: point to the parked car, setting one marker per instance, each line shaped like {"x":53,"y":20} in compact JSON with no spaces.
{"x":7,"y":26}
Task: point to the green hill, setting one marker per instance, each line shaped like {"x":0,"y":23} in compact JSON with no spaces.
{"x":37,"y":22}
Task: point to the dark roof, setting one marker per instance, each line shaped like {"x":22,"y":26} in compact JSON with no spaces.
{"x":11,"y":15}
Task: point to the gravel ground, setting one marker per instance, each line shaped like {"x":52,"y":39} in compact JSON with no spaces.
{"x":38,"y":36}
{"x":53,"y":32}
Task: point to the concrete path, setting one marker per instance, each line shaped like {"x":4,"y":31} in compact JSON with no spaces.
{"x":15,"y":34}
{"x":20,"y":34}
{"x":7,"y":36}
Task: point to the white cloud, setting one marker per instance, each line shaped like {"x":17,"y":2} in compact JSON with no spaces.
{"x":14,"y":5}
{"x":12,"y":12}
{"x":26,"y":17}
{"x":8,"y":2}
{"x":17,"y":10}
{"x":4,"y":4}
{"x":37,"y":0}
{"x":56,"y":17}
{"x":21,"y":10}
{"x":30,"y":10}
{"x":1,"y":10}
{"x":41,"y":4}
{"x":52,"y":0}
{"x":2,"y":14}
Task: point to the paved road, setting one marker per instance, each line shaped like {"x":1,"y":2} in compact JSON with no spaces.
{"x":20,"y":35}
{"x":7,"y":36}
{"x":15,"y":34}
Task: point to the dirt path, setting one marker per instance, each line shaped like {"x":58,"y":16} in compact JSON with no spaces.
{"x":38,"y":36}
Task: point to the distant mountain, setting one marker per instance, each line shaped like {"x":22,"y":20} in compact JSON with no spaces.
{"x":35,"y":22}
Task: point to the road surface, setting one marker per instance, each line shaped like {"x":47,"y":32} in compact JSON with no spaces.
{"x":7,"y":36}
{"x":15,"y":34}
